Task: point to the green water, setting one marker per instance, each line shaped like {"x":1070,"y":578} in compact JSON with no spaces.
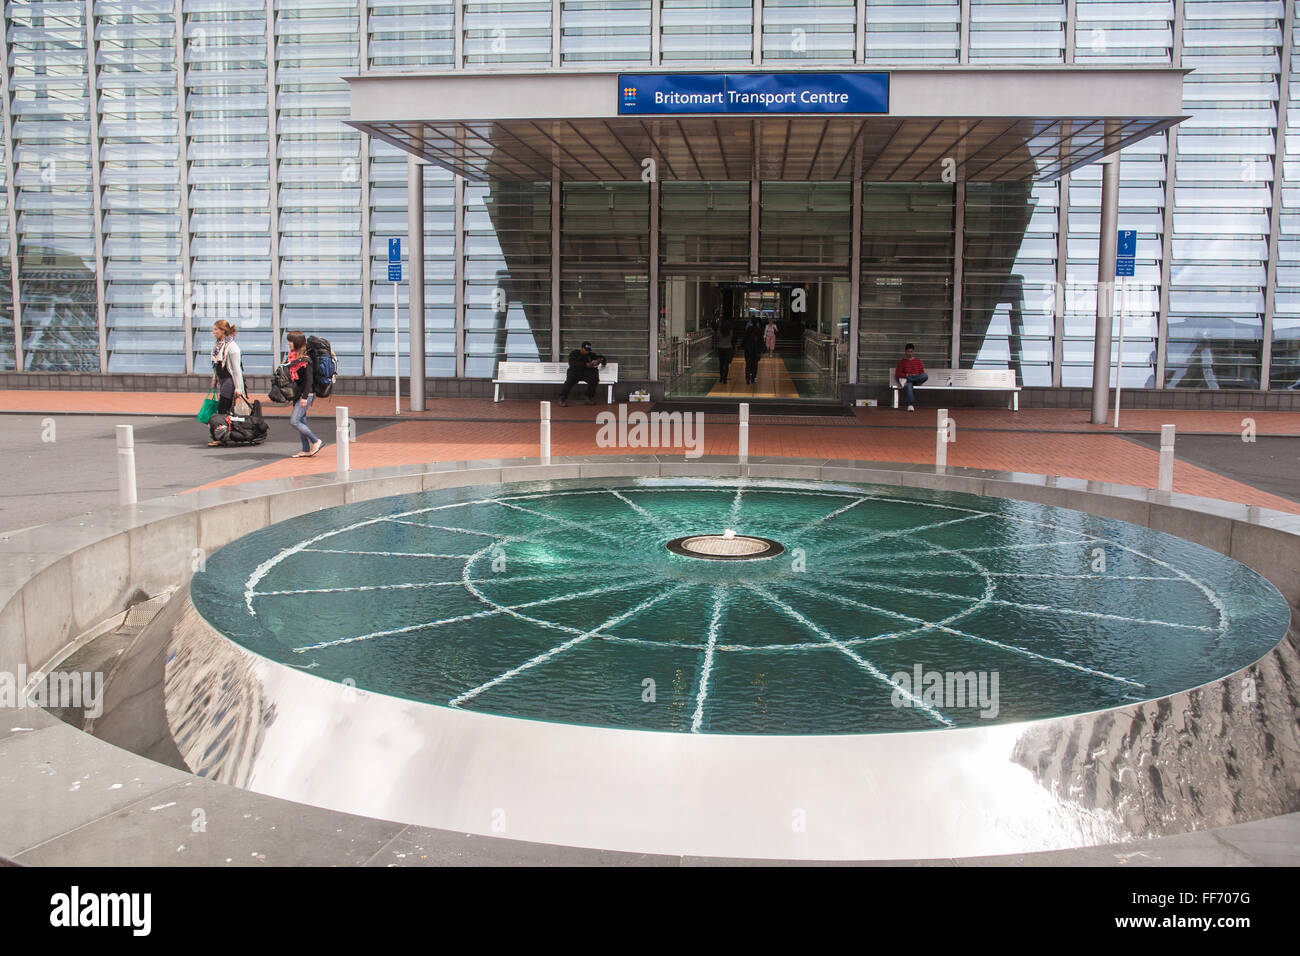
{"x":559,"y":601}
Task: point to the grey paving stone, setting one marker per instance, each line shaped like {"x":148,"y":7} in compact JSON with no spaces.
{"x":24,"y":720}
{"x":1272,"y":842}
{"x":422,"y":846}
{"x":56,"y":778}
{"x":230,"y":828}
{"x":1185,"y":849}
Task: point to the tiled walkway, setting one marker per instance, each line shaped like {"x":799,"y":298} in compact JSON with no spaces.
{"x":1045,"y":441}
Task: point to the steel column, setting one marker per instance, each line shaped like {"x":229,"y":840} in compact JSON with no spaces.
{"x":855,"y":274}
{"x":183,"y":167}
{"x":97,"y":198}
{"x":656,"y":27}
{"x":860,"y":32}
{"x":11,"y":191}
{"x":1105,"y":287}
{"x":1274,"y":218}
{"x":415,"y":282}
{"x":555,"y":33}
{"x":1058,"y":292}
{"x":367,"y":252}
{"x":963,"y":55}
{"x":556,"y":201}
{"x":654,"y":279}
{"x":959,"y":245}
{"x":1167,"y":224}
{"x":273,"y":174}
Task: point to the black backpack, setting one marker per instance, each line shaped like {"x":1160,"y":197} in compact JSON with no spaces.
{"x":324,"y":366}
{"x":237,"y":429}
{"x":281,"y":386}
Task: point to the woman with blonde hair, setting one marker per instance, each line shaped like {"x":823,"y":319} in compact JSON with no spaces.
{"x":302,"y":375}
{"x":227,"y":369}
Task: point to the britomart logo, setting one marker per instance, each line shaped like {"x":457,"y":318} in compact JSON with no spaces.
{"x":629,"y":96}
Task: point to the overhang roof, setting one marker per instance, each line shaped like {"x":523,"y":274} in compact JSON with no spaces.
{"x":996,"y":124}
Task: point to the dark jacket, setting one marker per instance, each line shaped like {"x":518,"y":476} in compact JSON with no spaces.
{"x":753,"y":341}
{"x":304,"y":378}
{"x":579,"y":362}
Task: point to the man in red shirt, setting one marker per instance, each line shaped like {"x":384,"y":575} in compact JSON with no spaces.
{"x":910,"y":372}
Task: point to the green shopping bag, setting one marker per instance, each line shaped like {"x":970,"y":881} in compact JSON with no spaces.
{"x":209,"y":407}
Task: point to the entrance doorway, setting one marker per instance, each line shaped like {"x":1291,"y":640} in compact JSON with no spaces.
{"x":798,"y":336}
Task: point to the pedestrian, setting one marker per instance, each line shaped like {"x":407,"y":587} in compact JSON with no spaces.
{"x":227,"y":369}
{"x":753,"y":346}
{"x":302,"y":375}
{"x":769,"y":337}
{"x":726,"y":349}
{"x":910,"y":372}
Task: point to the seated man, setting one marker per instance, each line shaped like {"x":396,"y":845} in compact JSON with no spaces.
{"x":910,"y":372}
{"x":584,"y":366}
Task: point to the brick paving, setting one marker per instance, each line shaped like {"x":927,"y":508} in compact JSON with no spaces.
{"x":525,"y":410}
{"x":1094,"y":457}
{"x":1043,"y":441}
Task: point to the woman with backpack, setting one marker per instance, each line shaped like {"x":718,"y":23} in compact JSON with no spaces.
{"x":227,"y":369}
{"x":302,"y":375}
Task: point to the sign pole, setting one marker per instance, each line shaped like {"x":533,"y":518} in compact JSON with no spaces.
{"x":397,"y":365}
{"x":1119,"y":362}
{"x":1125,"y":258}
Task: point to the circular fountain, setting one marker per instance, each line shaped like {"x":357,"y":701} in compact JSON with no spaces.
{"x":915,"y":670}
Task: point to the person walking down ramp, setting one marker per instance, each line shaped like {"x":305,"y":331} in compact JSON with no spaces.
{"x":726,"y":349}
{"x":753,"y":346}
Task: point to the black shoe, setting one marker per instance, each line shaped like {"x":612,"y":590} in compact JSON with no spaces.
{"x":564,"y":403}
{"x":591,"y":401}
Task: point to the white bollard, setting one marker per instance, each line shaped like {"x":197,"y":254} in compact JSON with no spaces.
{"x":546,"y":433}
{"x":1165,"y":481}
{"x":743,"y":454}
{"x":941,"y":440}
{"x":341,"y":434}
{"x":125,"y":465}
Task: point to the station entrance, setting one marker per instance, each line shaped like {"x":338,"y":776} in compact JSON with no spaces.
{"x":795,"y":333}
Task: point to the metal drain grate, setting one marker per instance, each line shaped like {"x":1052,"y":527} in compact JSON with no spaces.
{"x":725,"y":547}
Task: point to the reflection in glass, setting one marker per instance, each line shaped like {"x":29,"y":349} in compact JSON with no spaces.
{"x":605,"y":272}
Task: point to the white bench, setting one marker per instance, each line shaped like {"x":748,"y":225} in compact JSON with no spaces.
{"x":546,"y":373}
{"x":968,"y":379}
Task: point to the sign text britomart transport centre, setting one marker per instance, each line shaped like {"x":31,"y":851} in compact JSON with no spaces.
{"x":753,"y":93}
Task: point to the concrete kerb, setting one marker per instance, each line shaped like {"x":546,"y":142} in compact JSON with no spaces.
{"x":119,"y":557}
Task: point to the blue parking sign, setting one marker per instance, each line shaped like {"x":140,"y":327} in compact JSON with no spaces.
{"x":394,"y":251}
{"x":1128,"y":243}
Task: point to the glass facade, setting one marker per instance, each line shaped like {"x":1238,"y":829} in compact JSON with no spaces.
{"x":168,"y":163}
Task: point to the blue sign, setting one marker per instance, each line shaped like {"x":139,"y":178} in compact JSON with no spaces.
{"x":753,"y":93}
{"x":1128,"y":243}
{"x":394,"y":272}
{"x":1124,"y":265}
{"x":394,"y":251}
